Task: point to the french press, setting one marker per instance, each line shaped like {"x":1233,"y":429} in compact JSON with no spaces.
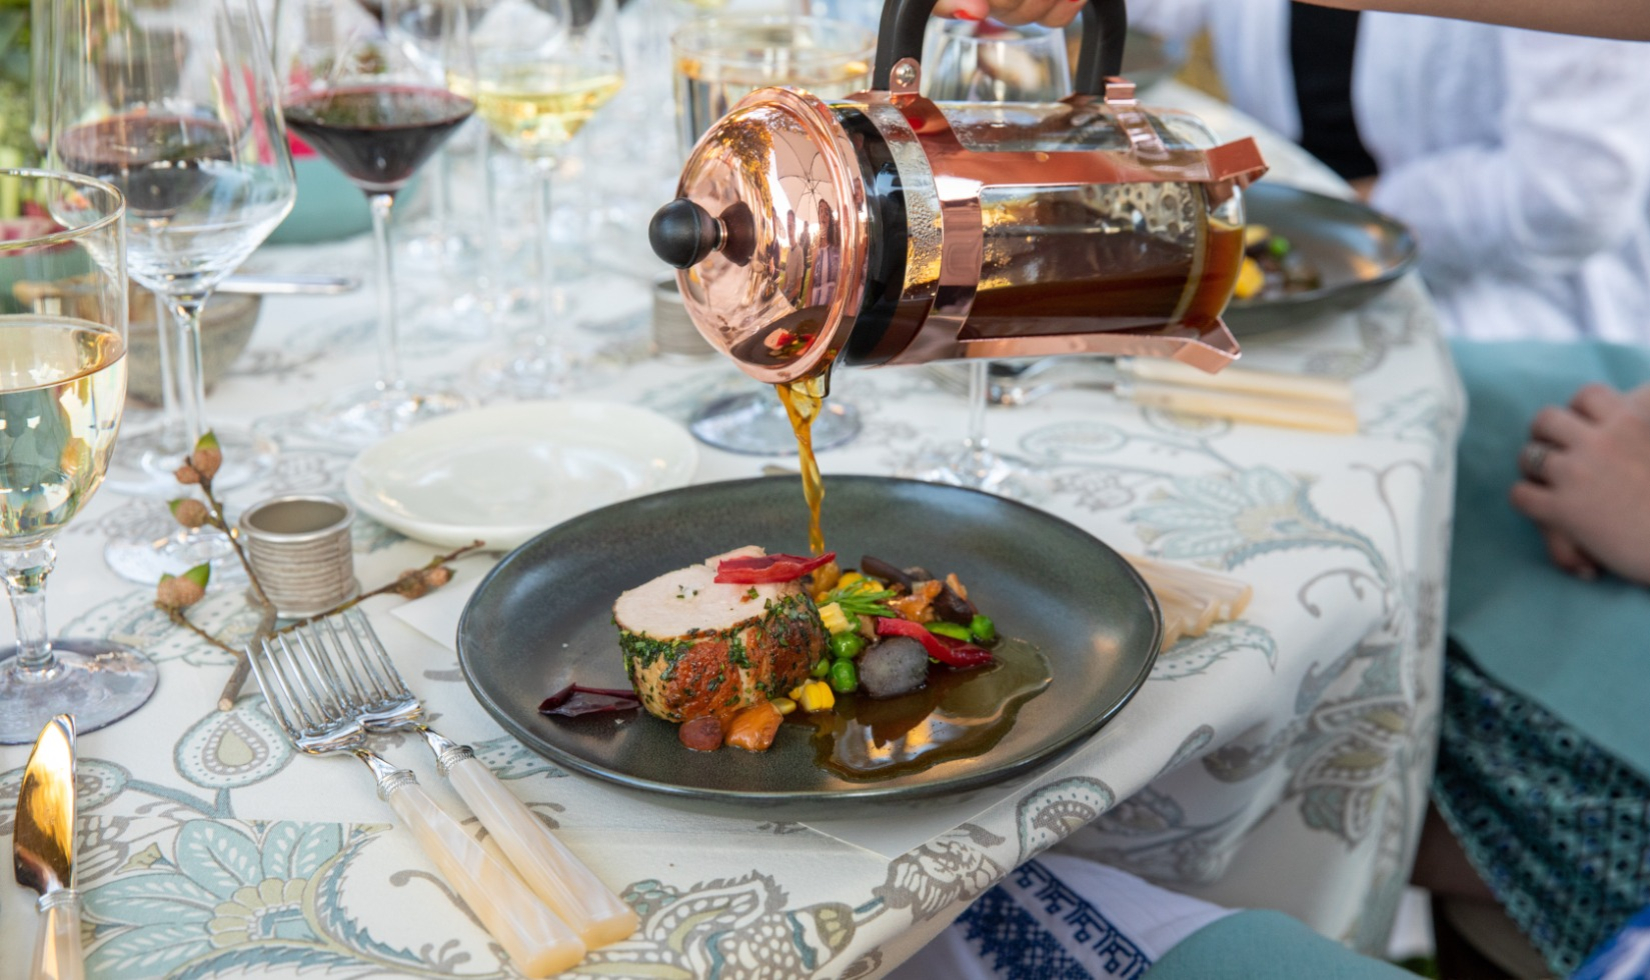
{"x":889,"y":229}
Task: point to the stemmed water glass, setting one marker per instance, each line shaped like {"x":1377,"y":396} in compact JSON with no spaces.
{"x":983,"y":61}
{"x":378,"y":113}
{"x":173,"y":104}
{"x":62,"y":388}
{"x":444,"y":243}
{"x":718,"y":60}
{"x":538,"y":71}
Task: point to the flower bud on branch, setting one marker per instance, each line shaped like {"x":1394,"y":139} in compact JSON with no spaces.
{"x":417,"y":582}
{"x":183,"y":591}
{"x":189,"y":512}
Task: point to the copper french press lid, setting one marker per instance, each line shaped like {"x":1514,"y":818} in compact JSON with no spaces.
{"x":769,"y":226}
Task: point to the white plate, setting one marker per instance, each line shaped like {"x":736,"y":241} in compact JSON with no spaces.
{"x":505,"y":473}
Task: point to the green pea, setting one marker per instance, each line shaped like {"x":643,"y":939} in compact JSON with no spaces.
{"x":951,"y":630}
{"x":821,"y":667}
{"x":844,"y":677}
{"x":1278,"y":246}
{"x":846,"y":646}
{"x":983,"y":629}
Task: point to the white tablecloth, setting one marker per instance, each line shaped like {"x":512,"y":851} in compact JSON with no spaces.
{"x":1281,"y":760}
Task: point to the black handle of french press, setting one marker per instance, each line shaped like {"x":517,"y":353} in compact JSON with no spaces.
{"x":1105,"y":24}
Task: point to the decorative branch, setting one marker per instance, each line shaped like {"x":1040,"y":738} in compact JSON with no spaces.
{"x":179,"y":619}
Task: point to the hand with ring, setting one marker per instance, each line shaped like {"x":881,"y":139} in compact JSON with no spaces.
{"x":1586,"y":481}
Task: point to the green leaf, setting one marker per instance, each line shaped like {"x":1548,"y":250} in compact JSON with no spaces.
{"x":167,"y":576}
{"x":199,"y":575}
{"x":173,"y":505}
{"x":208,"y":440}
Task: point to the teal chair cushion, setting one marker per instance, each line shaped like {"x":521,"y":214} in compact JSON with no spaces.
{"x":1266,"y":944}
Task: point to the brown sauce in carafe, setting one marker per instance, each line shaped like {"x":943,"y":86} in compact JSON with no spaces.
{"x":959,"y":714}
{"x":803,"y":399}
{"x":1083,"y":281}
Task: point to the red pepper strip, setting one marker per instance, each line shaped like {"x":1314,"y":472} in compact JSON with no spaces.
{"x":952,"y":653}
{"x":758,"y":569}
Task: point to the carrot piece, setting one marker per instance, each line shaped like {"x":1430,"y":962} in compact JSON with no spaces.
{"x":753,"y":728}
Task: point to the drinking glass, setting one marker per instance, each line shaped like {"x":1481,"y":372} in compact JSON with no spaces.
{"x":378,"y":113}
{"x":983,"y":61}
{"x":62,"y":387}
{"x":538,"y":72}
{"x":719,"y":60}
{"x":173,"y":104}
{"x":442,"y":244}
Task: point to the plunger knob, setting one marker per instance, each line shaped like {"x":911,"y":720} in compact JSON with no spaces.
{"x":683,"y":233}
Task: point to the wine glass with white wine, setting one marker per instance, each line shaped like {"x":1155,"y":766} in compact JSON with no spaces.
{"x":538,"y":72}
{"x":62,"y":389}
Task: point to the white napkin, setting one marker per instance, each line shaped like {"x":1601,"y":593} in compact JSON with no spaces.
{"x":436,"y":615}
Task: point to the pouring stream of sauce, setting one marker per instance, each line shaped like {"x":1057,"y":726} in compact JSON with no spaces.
{"x":802,"y":399}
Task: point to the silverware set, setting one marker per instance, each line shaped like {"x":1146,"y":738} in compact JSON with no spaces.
{"x":1236,"y":393}
{"x":330,"y":685}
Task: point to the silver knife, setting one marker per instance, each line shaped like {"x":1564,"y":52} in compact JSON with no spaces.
{"x":43,"y":848}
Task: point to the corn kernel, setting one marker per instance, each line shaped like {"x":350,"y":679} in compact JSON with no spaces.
{"x":795,"y":693}
{"x":835,"y":620}
{"x":785,"y":705}
{"x":849,"y":578}
{"x":816,"y":696}
{"x":1250,"y":281}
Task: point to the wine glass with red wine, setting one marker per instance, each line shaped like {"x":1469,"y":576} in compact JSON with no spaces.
{"x":377,"y":113}
{"x":174,"y":104}
{"x":538,"y":72}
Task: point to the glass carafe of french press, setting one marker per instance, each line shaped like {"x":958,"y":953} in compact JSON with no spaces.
{"x":886,"y":228}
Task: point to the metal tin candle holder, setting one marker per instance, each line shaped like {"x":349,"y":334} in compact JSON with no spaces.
{"x":300,"y":548}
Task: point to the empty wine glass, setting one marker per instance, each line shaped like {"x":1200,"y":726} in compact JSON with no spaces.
{"x":62,"y":388}
{"x":173,"y":104}
{"x":983,"y":61}
{"x":377,"y":113}
{"x":718,"y":60}
{"x":538,"y":71}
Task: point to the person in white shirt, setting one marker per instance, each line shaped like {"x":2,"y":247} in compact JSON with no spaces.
{"x":1521,"y":160}
{"x":1625,"y":20}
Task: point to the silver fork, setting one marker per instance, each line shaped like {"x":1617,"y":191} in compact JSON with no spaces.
{"x":349,"y":648}
{"x":301,"y":692}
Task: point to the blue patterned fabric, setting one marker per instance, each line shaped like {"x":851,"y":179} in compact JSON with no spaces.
{"x":1558,"y":828}
{"x":1066,"y":938}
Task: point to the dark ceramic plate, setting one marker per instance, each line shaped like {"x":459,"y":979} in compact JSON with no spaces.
{"x":1357,"y":250}
{"x":542,"y":618}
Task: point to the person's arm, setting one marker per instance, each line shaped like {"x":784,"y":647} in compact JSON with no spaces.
{"x":1566,"y":179}
{"x":1627,"y":20}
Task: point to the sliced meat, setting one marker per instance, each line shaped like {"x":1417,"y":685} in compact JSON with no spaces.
{"x":695,"y":647}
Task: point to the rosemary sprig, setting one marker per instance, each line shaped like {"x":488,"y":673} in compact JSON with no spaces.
{"x":858,"y":601}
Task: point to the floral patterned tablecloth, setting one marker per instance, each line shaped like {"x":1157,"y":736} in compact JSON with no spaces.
{"x":1281,"y":760}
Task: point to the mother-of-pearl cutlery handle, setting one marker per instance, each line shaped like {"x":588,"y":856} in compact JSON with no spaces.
{"x":539,"y":943}
{"x":1311,"y":415}
{"x":57,"y":954}
{"x":544,"y":863}
{"x":1253,"y":381}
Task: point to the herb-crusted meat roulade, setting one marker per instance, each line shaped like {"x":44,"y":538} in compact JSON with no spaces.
{"x":695,"y":647}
